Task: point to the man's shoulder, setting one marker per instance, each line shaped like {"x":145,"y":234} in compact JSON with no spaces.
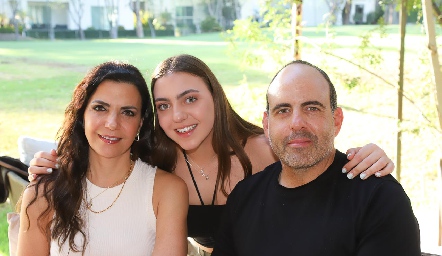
{"x":267,"y":173}
{"x":259,"y":179}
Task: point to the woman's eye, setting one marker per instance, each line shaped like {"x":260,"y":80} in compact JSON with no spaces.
{"x":98,"y":108}
{"x":190,"y":99}
{"x":162,"y":106}
{"x":128,"y":113}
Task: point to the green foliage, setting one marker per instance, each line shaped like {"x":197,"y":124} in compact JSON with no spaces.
{"x":373,"y":17}
{"x":271,"y":36}
{"x":4,"y":245}
{"x":368,"y":54}
{"x":209,"y":24}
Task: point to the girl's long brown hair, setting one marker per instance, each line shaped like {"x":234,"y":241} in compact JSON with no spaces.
{"x":230,"y":131}
{"x":64,"y":189}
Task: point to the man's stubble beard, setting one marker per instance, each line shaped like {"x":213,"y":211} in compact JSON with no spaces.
{"x":302,"y":159}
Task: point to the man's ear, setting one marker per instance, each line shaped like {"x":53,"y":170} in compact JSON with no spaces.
{"x":338,"y":117}
{"x":265,"y":123}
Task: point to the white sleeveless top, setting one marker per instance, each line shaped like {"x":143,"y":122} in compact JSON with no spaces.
{"x":128,"y":227}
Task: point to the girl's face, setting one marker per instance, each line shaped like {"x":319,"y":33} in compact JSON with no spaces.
{"x":185,"y":109}
{"x":112,"y":119}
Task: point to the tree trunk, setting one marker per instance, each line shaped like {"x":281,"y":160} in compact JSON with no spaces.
{"x":403,"y":23}
{"x":139,"y":28}
{"x":432,"y":47}
{"x":346,"y":13}
{"x":437,"y":12}
{"x":82,"y":36}
{"x":296,"y":28}
{"x":16,"y":32}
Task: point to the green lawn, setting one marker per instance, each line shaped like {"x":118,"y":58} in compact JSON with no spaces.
{"x":4,"y":246}
{"x":37,"y":79}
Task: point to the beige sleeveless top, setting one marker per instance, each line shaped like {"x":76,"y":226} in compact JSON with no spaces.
{"x":128,"y":227}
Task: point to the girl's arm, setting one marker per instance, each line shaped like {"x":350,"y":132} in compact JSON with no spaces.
{"x":366,"y":161}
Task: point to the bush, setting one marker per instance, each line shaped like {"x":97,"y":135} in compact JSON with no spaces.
{"x":373,"y":17}
{"x":210,"y":25}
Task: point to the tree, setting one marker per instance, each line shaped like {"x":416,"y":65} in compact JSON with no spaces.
{"x":215,"y":8}
{"x":112,"y":17}
{"x":135,"y":7}
{"x":277,"y":34}
{"x":346,"y":13}
{"x":15,"y":7}
{"x":403,"y":23}
{"x":76,"y":11}
{"x":335,"y":11}
{"x":432,"y":47}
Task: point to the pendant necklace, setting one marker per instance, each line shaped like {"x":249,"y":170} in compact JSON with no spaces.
{"x":201,"y":170}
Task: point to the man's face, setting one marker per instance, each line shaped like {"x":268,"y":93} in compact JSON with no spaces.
{"x":300,"y":124}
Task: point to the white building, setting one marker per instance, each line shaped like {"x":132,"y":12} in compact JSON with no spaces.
{"x":60,"y":14}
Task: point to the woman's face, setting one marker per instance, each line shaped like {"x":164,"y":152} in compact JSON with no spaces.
{"x":112,"y":118}
{"x":185,"y":109}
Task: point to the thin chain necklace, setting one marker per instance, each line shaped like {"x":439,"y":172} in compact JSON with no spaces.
{"x":201,"y":170}
{"x":89,"y":202}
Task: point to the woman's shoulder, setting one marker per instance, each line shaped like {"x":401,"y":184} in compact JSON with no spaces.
{"x":169,"y":181}
{"x":34,"y":192}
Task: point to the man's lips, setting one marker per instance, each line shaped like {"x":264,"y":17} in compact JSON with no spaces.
{"x":299,"y":142}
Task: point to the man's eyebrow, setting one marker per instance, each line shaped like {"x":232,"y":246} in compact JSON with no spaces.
{"x":178,"y":96}
{"x":313,"y":102}
{"x":281,"y":105}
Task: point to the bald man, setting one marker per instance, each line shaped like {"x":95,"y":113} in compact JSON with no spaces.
{"x":303,"y":205}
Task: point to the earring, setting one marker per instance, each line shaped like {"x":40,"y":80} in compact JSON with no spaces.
{"x":138,"y":137}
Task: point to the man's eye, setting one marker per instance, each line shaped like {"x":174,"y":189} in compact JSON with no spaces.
{"x":98,"y":108}
{"x":162,"y":106}
{"x":312,"y":109}
{"x":283,"y":110}
{"x":190,"y":99}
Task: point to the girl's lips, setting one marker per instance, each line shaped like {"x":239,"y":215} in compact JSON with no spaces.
{"x":109,"y":139}
{"x":186,"y":129}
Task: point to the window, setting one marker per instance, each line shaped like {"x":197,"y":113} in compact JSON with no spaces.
{"x":184,"y":16}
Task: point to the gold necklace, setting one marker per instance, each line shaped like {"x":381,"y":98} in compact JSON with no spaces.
{"x":201,"y":170}
{"x":89,"y":204}
{"x":92,"y":198}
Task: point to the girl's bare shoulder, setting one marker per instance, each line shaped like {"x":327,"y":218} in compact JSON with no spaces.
{"x":260,"y":153}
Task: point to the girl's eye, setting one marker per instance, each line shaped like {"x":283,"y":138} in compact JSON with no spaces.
{"x":162,"y":106}
{"x":190,"y":99}
{"x":128,"y":113}
{"x":99,"y":108}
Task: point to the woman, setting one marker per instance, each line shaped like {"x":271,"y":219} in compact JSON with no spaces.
{"x":200,"y":138}
{"x":106,"y":199}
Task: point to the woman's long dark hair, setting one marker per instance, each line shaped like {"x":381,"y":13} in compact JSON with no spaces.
{"x":64,"y":190}
{"x":230,"y":131}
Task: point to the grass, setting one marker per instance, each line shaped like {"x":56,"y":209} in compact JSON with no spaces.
{"x":4,"y":246}
{"x":37,"y":79}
